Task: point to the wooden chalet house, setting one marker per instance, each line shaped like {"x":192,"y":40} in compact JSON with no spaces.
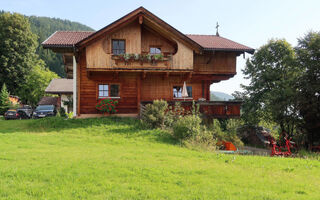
{"x":140,"y":58}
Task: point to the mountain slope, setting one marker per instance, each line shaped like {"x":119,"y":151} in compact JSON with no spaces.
{"x":220,"y":96}
{"x":44,"y":27}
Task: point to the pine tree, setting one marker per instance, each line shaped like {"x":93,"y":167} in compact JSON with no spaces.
{"x":4,"y":99}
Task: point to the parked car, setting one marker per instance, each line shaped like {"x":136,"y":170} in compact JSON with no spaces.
{"x":27,"y":109}
{"x":44,"y":111}
{"x":15,"y":114}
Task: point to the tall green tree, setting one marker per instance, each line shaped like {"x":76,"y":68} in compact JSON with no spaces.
{"x":270,"y":95}
{"x":37,"y":81}
{"x":17,"y":50}
{"x":4,"y":99}
{"x":308,"y":84}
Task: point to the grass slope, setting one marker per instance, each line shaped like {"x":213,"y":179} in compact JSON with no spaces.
{"x":112,"y":158}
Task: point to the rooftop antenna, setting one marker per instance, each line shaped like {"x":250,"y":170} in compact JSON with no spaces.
{"x":217,"y":27}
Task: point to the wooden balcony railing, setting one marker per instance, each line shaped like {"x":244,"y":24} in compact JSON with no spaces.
{"x":142,"y":62}
{"x":214,"y":109}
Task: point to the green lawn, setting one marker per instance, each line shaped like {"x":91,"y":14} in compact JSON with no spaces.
{"x":115,"y":159}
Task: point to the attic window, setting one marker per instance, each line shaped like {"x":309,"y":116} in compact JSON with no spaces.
{"x":155,"y":50}
{"x":118,"y":47}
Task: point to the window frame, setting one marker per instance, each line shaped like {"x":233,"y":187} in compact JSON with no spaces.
{"x":191,"y":97}
{"x":118,"y":49}
{"x":156,"y":47}
{"x":109,"y":90}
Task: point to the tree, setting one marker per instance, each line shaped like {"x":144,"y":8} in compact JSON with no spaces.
{"x":270,"y":95}
{"x":17,"y":50}
{"x":36,"y":83}
{"x":308,"y":84}
{"x":4,"y":99}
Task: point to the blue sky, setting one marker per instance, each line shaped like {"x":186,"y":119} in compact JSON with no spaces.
{"x":248,"y":22}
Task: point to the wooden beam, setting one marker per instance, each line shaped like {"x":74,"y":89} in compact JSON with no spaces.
{"x":208,"y":90}
{"x":138,"y":70}
{"x":115,"y":75}
{"x":138,"y":92}
{"x":167,"y":75}
{"x":190,"y":76}
{"x":202,"y":86}
{"x":140,"y":19}
{"x":144,"y":75}
{"x":210,"y":59}
{"x":171,"y":42}
{"x":159,"y":26}
{"x":78,"y":88}
{"x":211,"y":77}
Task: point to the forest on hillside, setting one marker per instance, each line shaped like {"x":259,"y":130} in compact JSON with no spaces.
{"x":43,"y":27}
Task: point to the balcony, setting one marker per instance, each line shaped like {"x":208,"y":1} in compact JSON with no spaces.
{"x":142,"y":61}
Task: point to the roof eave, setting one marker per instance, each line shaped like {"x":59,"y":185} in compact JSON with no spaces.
{"x":58,"y":92}
{"x":250,"y":51}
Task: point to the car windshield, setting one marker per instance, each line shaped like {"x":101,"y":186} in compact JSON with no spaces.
{"x":45,"y":107}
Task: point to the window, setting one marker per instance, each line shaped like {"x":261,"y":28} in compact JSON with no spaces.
{"x":108,"y":90}
{"x":114,"y":90}
{"x":177,"y":91}
{"x":155,"y":50}
{"x":118,"y":47}
{"x":103,"y":91}
{"x":189,"y":90}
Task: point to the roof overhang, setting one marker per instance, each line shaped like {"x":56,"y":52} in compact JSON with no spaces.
{"x":251,"y":51}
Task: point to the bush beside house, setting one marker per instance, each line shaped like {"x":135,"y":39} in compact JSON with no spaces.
{"x":188,"y":126}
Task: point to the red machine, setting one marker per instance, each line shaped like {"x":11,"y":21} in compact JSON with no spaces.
{"x":277,"y":150}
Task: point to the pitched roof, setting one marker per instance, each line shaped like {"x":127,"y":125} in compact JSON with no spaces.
{"x":213,"y":42}
{"x":141,"y":11}
{"x":68,"y":39}
{"x":65,"y":38}
{"x":60,"y":86}
{"x":49,"y":101}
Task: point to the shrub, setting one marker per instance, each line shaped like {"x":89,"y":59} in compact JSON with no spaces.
{"x":107,"y":106}
{"x":226,"y":131}
{"x":62,"y":112}
{"x":173,"y":114}
{"x":187,"y":127}
{"x":70,"y":115}
{"x":155,"y":114}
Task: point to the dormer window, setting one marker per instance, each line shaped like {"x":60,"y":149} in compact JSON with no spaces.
{"x":118,"y":47}
{"x":155,"y":50}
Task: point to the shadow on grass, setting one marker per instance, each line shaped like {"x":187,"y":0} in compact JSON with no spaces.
{"x":128,"y":127}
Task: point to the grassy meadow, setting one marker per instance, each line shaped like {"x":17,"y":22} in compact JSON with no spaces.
{"x":114,"y":158}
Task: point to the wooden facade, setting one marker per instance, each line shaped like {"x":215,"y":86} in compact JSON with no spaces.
{"x":143,"y":80}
